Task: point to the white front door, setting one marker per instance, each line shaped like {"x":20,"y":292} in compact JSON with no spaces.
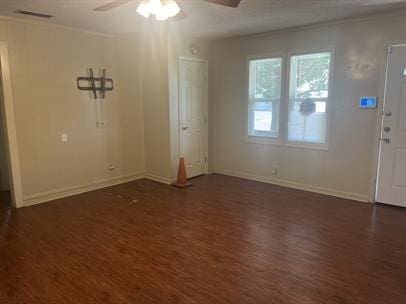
{"x":391,"y":186}
{"x":193,"y":95}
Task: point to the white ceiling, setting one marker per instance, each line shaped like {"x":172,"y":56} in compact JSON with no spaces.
{"x":204,"y":19}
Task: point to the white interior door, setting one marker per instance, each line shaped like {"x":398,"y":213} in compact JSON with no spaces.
{"x":193,"y":95}
{"x":391,"y":186}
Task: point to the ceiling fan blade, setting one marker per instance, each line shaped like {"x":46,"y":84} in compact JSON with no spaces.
{"x":180,"y":16}
{"x":230,"y":3}
{"x":111,"y":5}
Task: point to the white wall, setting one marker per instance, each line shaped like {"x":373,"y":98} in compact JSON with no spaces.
{"x":45,"y":61}
{"x":347,"y":168}
{"x":155,"y":93}
{"x":141,"y":128}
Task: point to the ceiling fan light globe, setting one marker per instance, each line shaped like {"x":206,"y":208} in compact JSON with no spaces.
{"x":155,"y":6}
{"x":162,"y":9}
{"x":144,"y":9}
{"x":161,"y":15}
{"x":172,"y":8}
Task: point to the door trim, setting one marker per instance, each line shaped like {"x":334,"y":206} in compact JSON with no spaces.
{"x":10,"y":126}
{"x":383,"y":70}
{"x":205,"y":109}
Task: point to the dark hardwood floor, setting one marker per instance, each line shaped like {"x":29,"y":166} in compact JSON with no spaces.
{"x":224,"y":240}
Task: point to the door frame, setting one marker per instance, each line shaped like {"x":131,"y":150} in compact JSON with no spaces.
{"x":8,"y":121}
{"x":205,"y":108}
{"x":383,"y":70}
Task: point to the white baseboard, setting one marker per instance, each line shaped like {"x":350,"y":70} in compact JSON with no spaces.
{"x":159,"y":179}
{"x":210,"y":171}
{"x":289,"y":184}
{"x":46,"y":196}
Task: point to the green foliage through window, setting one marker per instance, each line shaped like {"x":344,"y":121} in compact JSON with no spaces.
{"x":268,"y":78}
{"x":310,"y":75}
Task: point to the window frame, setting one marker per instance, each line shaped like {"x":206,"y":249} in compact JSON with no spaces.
{"x":282,"y":139}
{"x":300,"y":144}
{"x":258,"y":139}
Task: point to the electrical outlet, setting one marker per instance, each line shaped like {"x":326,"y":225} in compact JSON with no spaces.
{"x":64,"y":137}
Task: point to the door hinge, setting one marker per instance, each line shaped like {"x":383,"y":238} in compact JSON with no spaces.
{"x":205,"y":120}
{"x":205,"y":159}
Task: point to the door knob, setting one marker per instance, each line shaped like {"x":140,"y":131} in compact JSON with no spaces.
{"x":386,"y":129}
{"x":184,"y":128}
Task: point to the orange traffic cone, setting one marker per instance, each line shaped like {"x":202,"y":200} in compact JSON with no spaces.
{"x":182,"y":181}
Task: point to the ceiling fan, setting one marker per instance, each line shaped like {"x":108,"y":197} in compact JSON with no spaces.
{"x":178,"y":13}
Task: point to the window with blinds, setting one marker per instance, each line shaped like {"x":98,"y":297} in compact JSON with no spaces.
{"x":300,"y":119}
{"x":308,"y":97}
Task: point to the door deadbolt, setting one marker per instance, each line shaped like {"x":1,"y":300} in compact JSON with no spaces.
{"x":386,"y":129}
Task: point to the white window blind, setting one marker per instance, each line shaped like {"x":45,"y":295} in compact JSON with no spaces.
{"x":308,"y":97}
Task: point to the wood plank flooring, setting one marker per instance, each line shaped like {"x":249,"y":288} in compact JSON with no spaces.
{"x":224,"y":240}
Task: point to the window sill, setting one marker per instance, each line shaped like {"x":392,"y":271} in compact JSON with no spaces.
{"x":263,"y":140}
{"x":309,"y":146}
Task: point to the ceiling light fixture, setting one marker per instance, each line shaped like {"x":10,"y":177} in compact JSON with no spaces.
{"x":162,"y":9}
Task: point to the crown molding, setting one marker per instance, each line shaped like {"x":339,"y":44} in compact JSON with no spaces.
{"x":359,"y":19}
{"x":55,"y":25}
